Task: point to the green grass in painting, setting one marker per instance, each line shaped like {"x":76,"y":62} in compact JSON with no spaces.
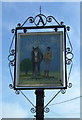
{"x":27,"y":80}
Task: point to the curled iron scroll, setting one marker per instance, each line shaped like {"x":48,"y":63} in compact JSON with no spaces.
{"x":39,"y":20}
{"x":70,"y":85}
{"x":63,"y":91}
{"x":17,"y":92}
{"x":69,"y":56}
{"x":33,"y":110}
{"x":11,"y":57}
{"x":11,"y":86}
{"x":46,"y":110}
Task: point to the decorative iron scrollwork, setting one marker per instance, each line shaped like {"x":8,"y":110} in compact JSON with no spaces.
{"x":49,"y":19}
{"x":13,"y":30}
{"x":69,"y":56}
{"x":11,"y":57}
{"x":70,"y":85}
{"x":18,"y":25}
{"x":68,"y":28}
{"x":63,"y":91}
{"x":46,"y":110}
{"x":11,"y":86}
{"x":62,"y":23}
{"x":17,"y":92}
{"x":33,"y":110}
{"x":31,"y":19}
{"x":40,"y":20}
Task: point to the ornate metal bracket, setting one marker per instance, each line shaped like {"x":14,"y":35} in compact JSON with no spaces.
{"x":41,"y":20}
{"x":12,"y":87}
{"x":46,"y":110}
{"x":63,"y":91}
{"x":69,"y":56}
{"x":33,"y":110}
{"x":11,"y":57}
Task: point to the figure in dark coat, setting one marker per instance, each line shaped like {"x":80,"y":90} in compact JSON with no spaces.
{"x":37,"y":58}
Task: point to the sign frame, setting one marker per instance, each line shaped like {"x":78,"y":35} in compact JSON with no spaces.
{"x":56,"y":27}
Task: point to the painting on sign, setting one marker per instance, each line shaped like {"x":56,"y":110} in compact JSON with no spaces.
{"x":40,"y":60}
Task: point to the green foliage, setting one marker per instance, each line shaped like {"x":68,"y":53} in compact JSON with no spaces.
{"x":25,"y":65}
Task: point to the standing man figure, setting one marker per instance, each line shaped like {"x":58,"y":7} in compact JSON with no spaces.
{"x":47,"y":61}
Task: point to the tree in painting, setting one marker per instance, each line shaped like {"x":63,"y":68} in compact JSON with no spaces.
{"x":25,"y":65}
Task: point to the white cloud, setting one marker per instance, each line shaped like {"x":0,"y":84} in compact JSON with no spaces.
{"x":13,"y":110}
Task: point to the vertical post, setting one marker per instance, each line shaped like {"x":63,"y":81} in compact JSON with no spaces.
{"x":39,"y":104}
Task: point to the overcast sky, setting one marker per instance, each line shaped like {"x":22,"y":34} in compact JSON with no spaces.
{"x":16,"y":106}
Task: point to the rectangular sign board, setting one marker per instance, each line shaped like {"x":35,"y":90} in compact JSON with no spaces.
{"x":40,"y":60}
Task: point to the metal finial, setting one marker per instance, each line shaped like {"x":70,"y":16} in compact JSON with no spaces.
{"x":40,"y":9}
